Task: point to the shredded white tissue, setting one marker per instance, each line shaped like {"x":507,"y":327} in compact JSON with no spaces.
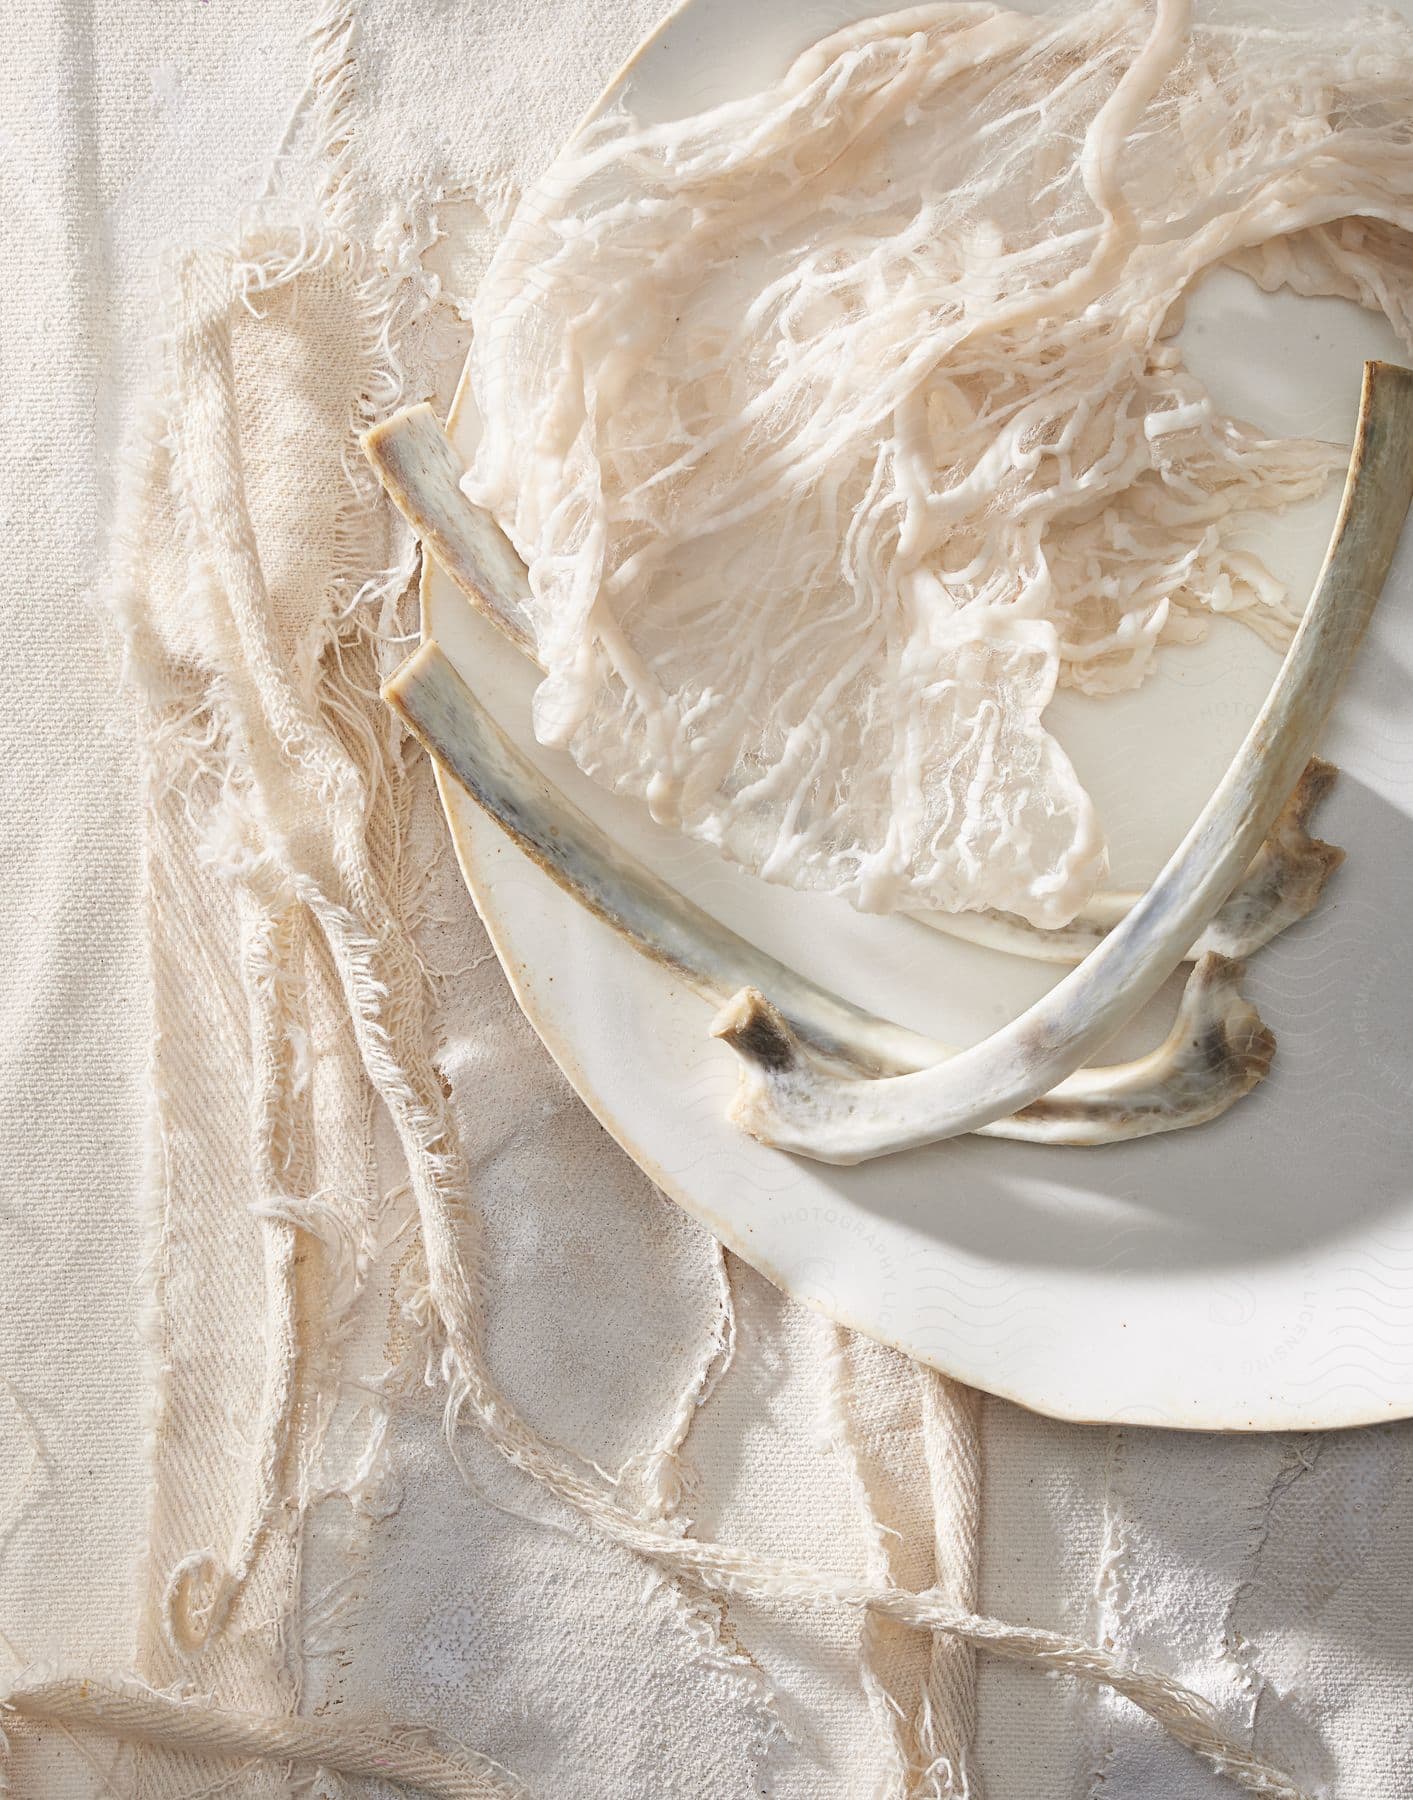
{"x":838,"y":425}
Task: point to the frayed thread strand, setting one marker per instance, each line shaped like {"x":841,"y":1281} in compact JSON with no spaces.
{"x":129,"y":1710}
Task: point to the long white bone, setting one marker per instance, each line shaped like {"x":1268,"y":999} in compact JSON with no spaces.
{"x":790,"y":1101}
{"x":1217,"y":1051}
{"x":421,"y":470}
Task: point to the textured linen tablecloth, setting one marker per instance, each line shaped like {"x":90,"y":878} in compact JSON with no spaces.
{"x":346,"y":1368}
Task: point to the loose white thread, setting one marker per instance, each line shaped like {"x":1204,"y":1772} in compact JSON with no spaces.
{"x":951,"y":1435}
{"x":883,"y":1706}
{"x":126,"y":1709}
{"x":202,"y":1589}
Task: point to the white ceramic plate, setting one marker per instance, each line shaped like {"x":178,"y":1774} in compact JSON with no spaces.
{"x":1255,"y":1273}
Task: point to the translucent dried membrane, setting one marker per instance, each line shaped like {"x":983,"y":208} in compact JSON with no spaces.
{"x":839,"y":424}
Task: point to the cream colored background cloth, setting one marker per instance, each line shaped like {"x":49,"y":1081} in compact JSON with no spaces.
{"x":223,"y":1464}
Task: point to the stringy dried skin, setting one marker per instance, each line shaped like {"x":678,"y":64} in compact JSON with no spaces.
{"x":420,"y":470}
{"x":834,"y":436}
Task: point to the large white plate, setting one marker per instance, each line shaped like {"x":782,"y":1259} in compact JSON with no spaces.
{"x":1255,"y":1273}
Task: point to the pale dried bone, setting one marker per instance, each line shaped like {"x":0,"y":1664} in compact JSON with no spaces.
{"x":788,"y":1100}
{"x":1283,"y":886}
{"x":419,"y":467}
{"x":1217,"y":1051}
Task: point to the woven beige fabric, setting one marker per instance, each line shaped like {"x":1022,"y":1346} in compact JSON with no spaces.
{"x":122,"y":126}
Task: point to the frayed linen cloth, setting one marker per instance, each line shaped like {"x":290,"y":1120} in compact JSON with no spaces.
{"x":371,"y":1424}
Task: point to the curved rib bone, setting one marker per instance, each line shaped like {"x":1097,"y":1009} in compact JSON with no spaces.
{"x":1217,"y":1051}
{"x":1283,"y":885}
{"x":421,"y":471}
{"x":818,"y":1113}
